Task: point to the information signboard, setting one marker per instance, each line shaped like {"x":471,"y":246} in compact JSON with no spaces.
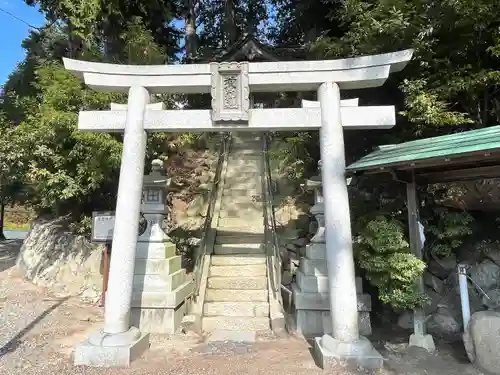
{"x":103,"y":223}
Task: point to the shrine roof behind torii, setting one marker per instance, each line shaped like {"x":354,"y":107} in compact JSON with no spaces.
{"x":467,"y":155}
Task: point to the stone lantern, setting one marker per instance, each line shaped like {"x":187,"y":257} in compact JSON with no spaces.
{"x":318,"y":210}
{"x":311,"y":291}
{"x":154,"y":207}
{"x":160,"y":286}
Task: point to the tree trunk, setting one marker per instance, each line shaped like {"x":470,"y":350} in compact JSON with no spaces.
{"x":191,"y":39}
{"x":230,"y":30}
{"x":2,"y":215}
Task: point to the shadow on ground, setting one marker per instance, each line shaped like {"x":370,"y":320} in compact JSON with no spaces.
{"x":9,"y":249}
{"x":16,"y":341}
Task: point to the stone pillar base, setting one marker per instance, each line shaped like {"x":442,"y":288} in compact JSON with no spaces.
{"x":330,"y":353}
{"x":423,"y":341}
{"x":111,"y":350}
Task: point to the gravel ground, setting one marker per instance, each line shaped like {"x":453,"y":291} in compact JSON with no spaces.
{"x":38,"y":333}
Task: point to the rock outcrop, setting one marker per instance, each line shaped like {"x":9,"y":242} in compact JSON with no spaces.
{"x":53,"y":257}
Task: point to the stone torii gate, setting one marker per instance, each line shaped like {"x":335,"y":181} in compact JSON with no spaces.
{"x":230,"y":85}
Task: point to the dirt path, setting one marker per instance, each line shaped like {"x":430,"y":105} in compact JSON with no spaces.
{"x":38,"y":333}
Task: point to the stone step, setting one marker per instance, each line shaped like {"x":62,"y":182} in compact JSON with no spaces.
{"x":239,"y":271}
{"x":241,"y":309}
{"x":238,"y":259}
{"x":231,"y":225}
{"x":241,"y":222}
{"x":234,"y":323}
{"x":241,"y":204}
{"x":236,"y":295}
{"x":157,"y":266}
{"x":249,"y":193}
{"x":159,"y":283}
{"x":243,"y":185}
{"x":231,"y":248}
{"x":241,"y":283}
{"x":228,"y":212}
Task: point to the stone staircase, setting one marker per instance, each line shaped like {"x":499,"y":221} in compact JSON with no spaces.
{"x":236,"y":297}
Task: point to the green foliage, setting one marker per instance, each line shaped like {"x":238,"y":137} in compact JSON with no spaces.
{"x":11,"y":162}
{"x":453,"y":77}
{"x":292,"y":154}
{"x":66,"y":167}
{"x":382,"y":251}
{"x":446,"y":230}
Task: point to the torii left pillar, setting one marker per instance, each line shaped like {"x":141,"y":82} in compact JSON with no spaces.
{"x":117,"y":344}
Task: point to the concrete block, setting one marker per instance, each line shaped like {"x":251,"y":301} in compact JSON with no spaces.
{"x":232,"y":336}
{"x":232,"y":248}
{"x":316,"y":251}
{"x":230,"y":295}
{"x":423,"y":341}
{"x":247,"y":283}
{"x":239,"y":271}
{"x":238,"y":259}
{"x":241,"y":309}
{"x":155,"y":250}
{"x":364,"y":323}
{"x":164,"y":321}
{"x":87,"y":354}
{"x":330,"y":353}
{"x":231,"y":323}
{"x":320,"y":301}
{"x":159,"y":283}
{"x":315,"y":283}
{"x":157,"y":266}
{"x":312,"y":323}
{"x":163,"y":299}
{"x":313,"y":267}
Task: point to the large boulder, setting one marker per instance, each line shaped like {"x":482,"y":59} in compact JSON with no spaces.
{"x":486,"y":274}
{"x":482,"y":341}
{"x":51,"y":256}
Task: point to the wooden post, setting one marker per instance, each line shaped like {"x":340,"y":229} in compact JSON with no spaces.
{"x":105,"y":273}
{"x":420,"y":337}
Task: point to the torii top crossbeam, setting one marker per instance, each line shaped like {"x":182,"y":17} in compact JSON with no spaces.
{"x":351,"y":73}
{"x":231,"y":84}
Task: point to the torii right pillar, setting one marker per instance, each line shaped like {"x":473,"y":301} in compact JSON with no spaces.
{"x":345,"y":345}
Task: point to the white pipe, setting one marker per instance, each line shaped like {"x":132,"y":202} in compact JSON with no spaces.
{"x":464,"y":294}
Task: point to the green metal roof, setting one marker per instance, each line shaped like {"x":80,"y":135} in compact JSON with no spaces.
{"x":434,"y":151}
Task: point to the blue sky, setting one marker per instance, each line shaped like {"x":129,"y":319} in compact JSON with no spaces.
{"x":14,"y":31}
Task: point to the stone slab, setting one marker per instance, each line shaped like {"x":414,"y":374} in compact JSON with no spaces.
{"x":157,"y":266}
{"x":330,"y":354}
{"x":159,"y":283}
{"x":320,"y":301}
{"x":163,"y":299}
{"x":253,"y":270}
{"x":155,"y":250}
{"x":242,"y":283}
{"x":235,"y":323}
{"x":423,"y":341}
{"x":232,"y":336}
{"x":312,"y":323}
{"x":241,"y":309}
{"x":163,"y":321}
{"x":319,"y":283}
{"x":87,"y":354}
{"x":238,"y":259}
{"x":316,"y":251}
{"x":234,"y":295}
